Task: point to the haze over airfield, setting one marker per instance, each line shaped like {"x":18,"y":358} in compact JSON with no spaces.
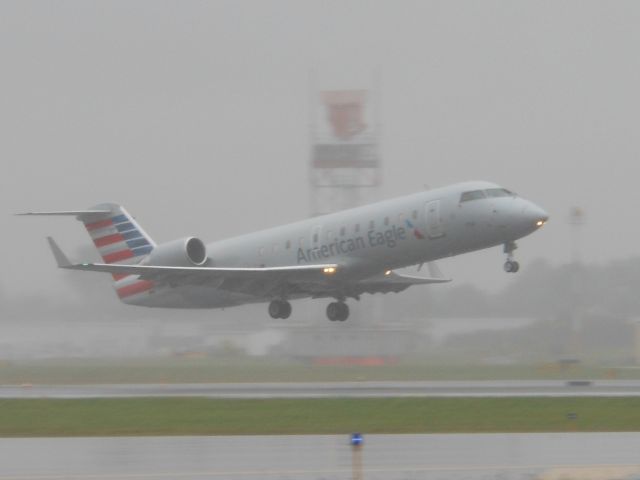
{"x":195,"y":116}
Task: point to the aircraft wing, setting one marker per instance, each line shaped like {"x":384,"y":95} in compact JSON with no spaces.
{"x":248,"y":280}
{"x":396,"y":282}
{"x":314,"y":280}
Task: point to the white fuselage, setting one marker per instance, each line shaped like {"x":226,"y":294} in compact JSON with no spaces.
{"x":369,"y":240}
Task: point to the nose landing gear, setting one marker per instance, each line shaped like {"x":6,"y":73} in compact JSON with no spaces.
{"x":337,"y":311}
{"x":510,"y":266}
{"x":279,"y":309}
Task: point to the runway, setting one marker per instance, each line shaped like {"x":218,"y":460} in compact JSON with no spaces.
{"x":603,"y":388}
{"x":389,"y":457}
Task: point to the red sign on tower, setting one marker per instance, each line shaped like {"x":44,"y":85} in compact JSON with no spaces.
{"x":345,"y":112}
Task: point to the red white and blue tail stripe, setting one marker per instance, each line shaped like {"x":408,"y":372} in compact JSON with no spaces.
{"x":119,"y":239}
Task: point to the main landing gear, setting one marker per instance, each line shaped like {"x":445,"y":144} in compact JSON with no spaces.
{"x":337,"y":311}
{"x":510,"y":266}
{"x":279,"y":309}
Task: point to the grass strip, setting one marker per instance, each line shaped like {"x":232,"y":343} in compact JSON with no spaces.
{"x":198,"y":416}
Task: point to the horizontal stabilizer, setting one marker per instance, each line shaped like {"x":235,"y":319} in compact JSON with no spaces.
{"x":73,"y":213}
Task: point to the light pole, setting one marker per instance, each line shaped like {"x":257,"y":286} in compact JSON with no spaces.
{"x":357,"y":442}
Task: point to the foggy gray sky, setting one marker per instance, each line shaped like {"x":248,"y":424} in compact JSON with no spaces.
{"x":194,"y":115}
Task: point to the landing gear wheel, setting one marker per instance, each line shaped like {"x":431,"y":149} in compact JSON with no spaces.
{"x":286,"y":310}
{"x":511,"y":266}
{"x":279,"y":309}
{"x":332,"y":311}
{"x":344,"y":311}
{"x":274,"y":309}
{"x":337,"y":311}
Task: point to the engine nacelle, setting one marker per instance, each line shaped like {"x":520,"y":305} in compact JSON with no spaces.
{"x":184,"y":252}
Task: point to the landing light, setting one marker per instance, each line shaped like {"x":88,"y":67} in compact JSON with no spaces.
{"x":540,"y":223}
{"x":388,"y":272}
{"x":329,"y":270}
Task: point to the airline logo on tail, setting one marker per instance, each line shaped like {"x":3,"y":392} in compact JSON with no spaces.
{"x":117,"y":239}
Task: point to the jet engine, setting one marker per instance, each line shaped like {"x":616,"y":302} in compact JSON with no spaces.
{"x":184,"y":252}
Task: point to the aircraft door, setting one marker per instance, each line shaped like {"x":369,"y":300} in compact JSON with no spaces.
{"x":433,"y":220}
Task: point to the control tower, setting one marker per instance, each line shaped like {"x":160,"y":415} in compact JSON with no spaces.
{"x":345,"y":166}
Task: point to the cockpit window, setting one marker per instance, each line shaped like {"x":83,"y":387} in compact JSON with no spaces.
{"x":473,"y":195}
{"x":498,"y":192}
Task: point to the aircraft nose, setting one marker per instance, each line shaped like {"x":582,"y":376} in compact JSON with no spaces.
{"x":536,"y":215}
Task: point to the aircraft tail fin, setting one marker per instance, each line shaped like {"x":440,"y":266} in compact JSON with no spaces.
{"x":116,"y":235}
{"x":114,"y":232}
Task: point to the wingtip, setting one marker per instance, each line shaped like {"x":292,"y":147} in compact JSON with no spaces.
{"x":434,"y":270}
{"x":58,"y":254}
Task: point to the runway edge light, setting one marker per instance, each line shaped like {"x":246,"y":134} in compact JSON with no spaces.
{"x":356,"y":458}
{"x":357,"y":439}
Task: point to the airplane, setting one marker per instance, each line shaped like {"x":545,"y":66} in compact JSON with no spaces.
{"x":337,"y":256}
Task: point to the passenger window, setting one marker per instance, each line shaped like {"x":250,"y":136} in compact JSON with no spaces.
{"x":414,"y":214}
{"x":473,"y":195}
{"x":372,"y":225}
{"x":386,"y":221}
{"x":343,"y":230}
{"x":287,"y":245}
{"x":329,"y":235}
{"x":315,"y":238}
{"x":301,"y":242}
{"x":261,"y":251}
{"x":356,"y":228}
{"x":401,"y":218}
